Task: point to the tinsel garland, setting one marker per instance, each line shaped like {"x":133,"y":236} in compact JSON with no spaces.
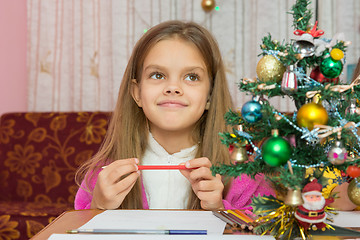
{"x":278,"y":219}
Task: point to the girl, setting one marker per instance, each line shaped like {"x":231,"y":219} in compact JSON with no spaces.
{"x":169,"y":111}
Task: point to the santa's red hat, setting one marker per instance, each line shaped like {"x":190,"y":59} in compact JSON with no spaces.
{"x":312,"y":187}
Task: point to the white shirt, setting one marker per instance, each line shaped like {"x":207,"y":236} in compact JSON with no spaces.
{"x":166,"y":189}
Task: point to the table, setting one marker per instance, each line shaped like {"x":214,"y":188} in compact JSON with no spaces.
{"x":76,"y":218}
{"x":67,"y":220}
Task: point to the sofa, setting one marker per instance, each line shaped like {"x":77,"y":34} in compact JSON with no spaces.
{"x":39,"y":155}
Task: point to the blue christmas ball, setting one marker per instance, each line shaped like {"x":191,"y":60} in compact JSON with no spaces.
{"x":251,"y":111}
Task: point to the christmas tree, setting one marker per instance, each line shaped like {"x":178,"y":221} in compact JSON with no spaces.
{"x":297,"y":151}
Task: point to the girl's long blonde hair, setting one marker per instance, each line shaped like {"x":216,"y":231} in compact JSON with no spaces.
{"x":127,"y":133}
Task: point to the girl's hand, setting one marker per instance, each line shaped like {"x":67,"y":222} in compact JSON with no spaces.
{"x":110,"y":191}
{"x":208,"y":189}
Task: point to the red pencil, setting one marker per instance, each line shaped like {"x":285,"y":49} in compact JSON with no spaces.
{"x":161,"y":167}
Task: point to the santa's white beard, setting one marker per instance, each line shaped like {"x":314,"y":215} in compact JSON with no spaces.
{"x":318,"y":205}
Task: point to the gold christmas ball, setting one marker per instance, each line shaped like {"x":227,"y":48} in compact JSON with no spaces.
{"x":269,"y":69}
{"x":336,"y":54}
{"x":311,"y":114}
{"x":354,"y":191}
{"x":208,"y":5}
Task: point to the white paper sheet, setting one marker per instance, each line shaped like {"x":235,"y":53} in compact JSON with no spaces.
{"x":156,"y":237}
{"x":346,"y":219}
{"x":157,"y":219}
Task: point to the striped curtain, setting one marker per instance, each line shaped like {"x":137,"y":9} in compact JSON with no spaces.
{"x":78,"y":49}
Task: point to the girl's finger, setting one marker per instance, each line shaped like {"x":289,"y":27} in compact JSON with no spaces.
{"x":186,"y":173}
{"x":124,"y":187}
{"x":208,"y":196}
{"x":210,"y":200}
{"x":200,"y":174}
{"x":208,"y":185}
{"x":198,"y":162}
{"x":119,"y":163}
{"x":114,"y":175}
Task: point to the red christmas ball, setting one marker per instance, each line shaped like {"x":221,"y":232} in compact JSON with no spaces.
{"x":319,"y":77}
{"x":353,"y":171}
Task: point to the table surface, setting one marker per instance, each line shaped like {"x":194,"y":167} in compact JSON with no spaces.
{"x":66,"y":221}
{"x":76,"y":218}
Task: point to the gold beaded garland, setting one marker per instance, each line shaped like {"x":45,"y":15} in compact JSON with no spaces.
{"x":269,"y":69}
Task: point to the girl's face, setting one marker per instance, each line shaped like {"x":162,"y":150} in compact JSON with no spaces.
{"x":174,"y":86}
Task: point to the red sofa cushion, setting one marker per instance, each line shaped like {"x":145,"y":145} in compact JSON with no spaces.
{"x":39,"y":154}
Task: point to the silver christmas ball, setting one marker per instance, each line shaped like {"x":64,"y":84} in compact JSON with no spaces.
{"x":337,"y":153}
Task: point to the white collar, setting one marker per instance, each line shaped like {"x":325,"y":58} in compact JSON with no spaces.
{"x":157,"y":149}
{"x":161,"y":186}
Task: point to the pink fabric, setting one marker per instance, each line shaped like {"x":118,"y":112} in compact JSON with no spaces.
{"x":243,"y":189}
{"x":239,"y":196}
{"x":83,"y":198}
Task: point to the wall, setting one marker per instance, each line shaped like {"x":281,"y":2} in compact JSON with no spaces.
{"x":13,"y":72}
{"x":78,"y":50}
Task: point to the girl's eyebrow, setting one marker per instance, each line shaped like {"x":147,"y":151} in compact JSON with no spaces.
{"x":195,"y":68}
{"x":189,"y":68}
{"x":153,"y":66}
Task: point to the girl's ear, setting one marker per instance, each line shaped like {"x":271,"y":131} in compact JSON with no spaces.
{"x":207,"y":106}
{"x":135,"y":92}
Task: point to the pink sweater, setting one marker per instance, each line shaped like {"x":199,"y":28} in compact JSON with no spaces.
{"x":239,"y":195}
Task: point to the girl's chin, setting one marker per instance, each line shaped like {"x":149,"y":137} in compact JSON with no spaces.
{"x":172,"y":128}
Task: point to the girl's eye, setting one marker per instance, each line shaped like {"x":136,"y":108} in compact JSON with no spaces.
{"x":157,"y":76}
{"x":192,"y":77}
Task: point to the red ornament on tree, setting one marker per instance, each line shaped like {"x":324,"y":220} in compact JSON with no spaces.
{"x":319,"y":77}
{"x":353,"y":171}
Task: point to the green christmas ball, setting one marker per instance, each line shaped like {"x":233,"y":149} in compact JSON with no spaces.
{"x":331,"y":68}
{"x":276,"y":151}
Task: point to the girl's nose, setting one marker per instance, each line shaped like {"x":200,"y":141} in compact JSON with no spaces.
{"x":173,"y":88}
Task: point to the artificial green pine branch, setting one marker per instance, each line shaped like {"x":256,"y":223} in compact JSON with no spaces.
{"x":233,"y":139}
{"x":232,"y":118}
{"x":301,"y":14}
{"x":269,"y":44}
{"x":340,"y":45}
{"x":286,"y":179}
{"x":290,"y":57}
{"x":260,"y":204}
{"x":251,"y":168}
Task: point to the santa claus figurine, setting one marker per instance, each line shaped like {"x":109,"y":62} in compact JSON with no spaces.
{"x":311,"y":213}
